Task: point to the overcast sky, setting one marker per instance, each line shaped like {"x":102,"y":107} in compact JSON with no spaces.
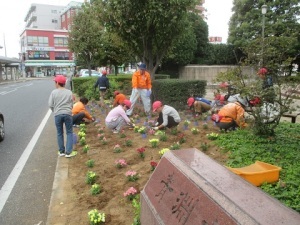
{"x":13,"y":12}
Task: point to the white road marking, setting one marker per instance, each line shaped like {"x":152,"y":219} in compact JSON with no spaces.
{"x":15,"y":173}
{"x":15,"y":88}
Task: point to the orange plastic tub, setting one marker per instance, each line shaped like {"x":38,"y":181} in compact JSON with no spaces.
{"x":258,"y":173}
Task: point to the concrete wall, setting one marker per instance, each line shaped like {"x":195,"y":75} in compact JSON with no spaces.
{"x":208,"y":73}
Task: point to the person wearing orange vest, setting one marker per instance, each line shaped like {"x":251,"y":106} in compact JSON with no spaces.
{"x":119,"y":98}
{"x":141,"y":87}
{"x":79,"y":112}
{"x":231,"y":116}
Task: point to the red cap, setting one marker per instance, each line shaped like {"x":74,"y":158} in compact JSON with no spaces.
{"x":156,"y":105}
{"x":262,"y":71}
{"x":127,"y":103}
{"x":60,"y":79}
{"x":116,"y":93}
{"x":190,"y":101}
{"x":104,"y":72}
{"x":224,"y":85}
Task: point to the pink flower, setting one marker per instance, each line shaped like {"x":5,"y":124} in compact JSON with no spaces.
{"x":130,"y":173}
{"x":130,"y":192}
{"x":120,"y":163}
{"x":151,"y":131}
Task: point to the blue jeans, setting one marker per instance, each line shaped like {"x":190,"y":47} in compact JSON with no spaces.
{"x":60,"y":120}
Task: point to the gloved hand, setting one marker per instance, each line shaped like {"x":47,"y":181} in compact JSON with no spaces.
{"x":155,"y":128}
{"x":149,"y":93}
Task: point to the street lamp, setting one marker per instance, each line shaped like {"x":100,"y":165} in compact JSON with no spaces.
{"x":263,"y":12}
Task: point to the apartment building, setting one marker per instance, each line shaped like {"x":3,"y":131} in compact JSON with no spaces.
{"x":43,"y":16}
{"x":44,"y":40}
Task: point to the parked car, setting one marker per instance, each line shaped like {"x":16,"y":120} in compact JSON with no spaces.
{"x":2,"y":133}
{"x":94,"y":73}
{"x":81,"y":71}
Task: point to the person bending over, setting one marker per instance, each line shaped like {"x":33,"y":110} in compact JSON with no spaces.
{"x":117,"y":117}
{"x":199,"y":105}
{"x":79,"y":112}
{"x":231,"y":116}
{"x":168,"y":116}
{"x":119,"y":98}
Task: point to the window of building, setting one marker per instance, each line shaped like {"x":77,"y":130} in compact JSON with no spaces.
{"x":61,"y":55}
{"x":38,"y":55}
{"x":37,"y":41}
{"x":63,"y":17}
{"x":54,"y":21}
{"x":68,"y":14}
{"x":61,"y":41}
{"x":54,"y":11}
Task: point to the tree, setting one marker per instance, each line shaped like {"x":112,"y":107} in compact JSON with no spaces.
{"x":148,"y":27}
{"x":281,"y":19}
{"x":274,"y":100}
{"x":86,"y":35}
{"x":116,"y":51}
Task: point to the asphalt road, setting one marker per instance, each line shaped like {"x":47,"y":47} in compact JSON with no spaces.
{"x":28,"y":154}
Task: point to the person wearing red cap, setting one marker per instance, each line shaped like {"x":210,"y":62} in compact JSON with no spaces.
{"x":61,"y":103}
{"x":103,"y":84}
{"x":267,"y":80}
{"x":199,"y":105}
{"x":141,"y":87}
{"x":117,"y":117}
{"x":168,"y":116}
{"x":267,"y":85}
{"x":119,"y":98}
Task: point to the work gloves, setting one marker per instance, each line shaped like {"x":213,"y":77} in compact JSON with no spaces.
{"x":148,"y":93}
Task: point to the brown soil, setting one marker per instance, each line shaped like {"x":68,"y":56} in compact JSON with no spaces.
{"x":77,"y":201}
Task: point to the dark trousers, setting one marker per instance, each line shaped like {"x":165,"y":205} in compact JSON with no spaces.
{"x":78,"y":118}
{"x":171,"y":121}
{"x":227,"y":126}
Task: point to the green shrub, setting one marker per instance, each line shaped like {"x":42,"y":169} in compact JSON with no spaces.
{"x":181,"y":90}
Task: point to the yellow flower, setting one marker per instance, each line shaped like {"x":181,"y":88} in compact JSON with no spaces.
{"x":163,"y":151}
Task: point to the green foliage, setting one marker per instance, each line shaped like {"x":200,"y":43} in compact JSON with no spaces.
{"x":181,"y":90}
{"x":145,"y":29}
{"x":273,"y":104}
{"x":204,"y":146}
{"x":137,"y":210}
{"x":184,"y":47}
{"x":90,"y":163}
{"x":91,"y":177}
{"x":85,"y":86}
{"x":85,"y":36}
{"x":281,"y":150}
{"x":218,"y":54}
{"x":281,"y":20}
{"x":95,"y":189}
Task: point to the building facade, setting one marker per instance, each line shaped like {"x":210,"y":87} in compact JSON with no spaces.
{"x":67,"y":15}
{"x":45,"y":52}
{"x":44,"y":41}
{"x":43,"y":16}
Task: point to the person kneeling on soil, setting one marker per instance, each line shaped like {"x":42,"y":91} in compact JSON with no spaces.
{"x":168,"y":116}
{"x":199,"y":105}
{"x":231,"y":116}
{"x":79,"y":112}
{"x":119,"y":98}
{"x":117,"y":117}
